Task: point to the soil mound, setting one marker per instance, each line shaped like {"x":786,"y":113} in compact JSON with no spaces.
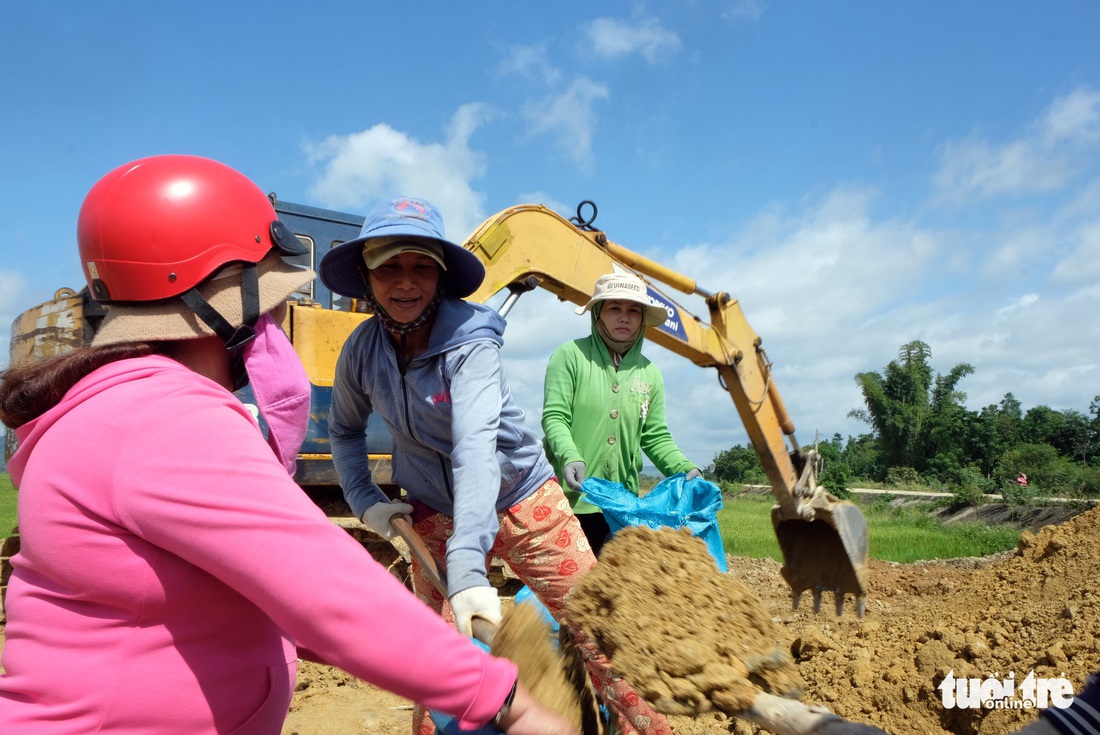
{"x":1029,"y":612}
{"x":1033,"y":611}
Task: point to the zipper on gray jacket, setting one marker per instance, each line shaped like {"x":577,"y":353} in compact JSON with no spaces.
{"x":408,"y":424}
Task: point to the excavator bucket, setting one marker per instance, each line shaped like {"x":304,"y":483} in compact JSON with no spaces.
{"x":826,"y":551}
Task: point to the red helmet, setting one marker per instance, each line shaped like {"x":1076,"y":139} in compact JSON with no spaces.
{"x":157,"y":227}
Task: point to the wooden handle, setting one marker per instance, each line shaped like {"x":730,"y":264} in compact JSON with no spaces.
{"x":483,"y":629}
{"x":420,"y":552}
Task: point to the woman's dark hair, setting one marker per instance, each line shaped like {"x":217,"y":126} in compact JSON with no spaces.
{"x":28,"y":391}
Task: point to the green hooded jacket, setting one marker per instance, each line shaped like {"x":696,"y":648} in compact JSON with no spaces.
{"x":604,"y":417}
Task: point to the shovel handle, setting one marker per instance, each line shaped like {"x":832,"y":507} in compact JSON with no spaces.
{"x":420,"y":552}
{"x":482,"y":628}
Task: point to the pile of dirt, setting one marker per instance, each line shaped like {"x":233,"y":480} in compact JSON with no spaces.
{"x":688,"y":637}
{"x":1034,"y":610}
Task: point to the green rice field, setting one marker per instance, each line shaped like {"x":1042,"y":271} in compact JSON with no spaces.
{"x":900,"y":535}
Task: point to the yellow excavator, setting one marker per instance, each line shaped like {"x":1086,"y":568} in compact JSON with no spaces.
{"x":823,"y":539}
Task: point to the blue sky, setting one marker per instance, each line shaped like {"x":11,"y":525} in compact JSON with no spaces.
{"x":857,"y":174}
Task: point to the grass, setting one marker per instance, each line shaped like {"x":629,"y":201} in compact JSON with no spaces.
{"x":7,"y":504}
{"x":894,"y":534}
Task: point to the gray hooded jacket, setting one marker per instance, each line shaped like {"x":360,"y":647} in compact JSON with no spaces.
{"x":461,"y":446}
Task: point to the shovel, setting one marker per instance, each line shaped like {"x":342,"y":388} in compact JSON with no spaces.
{"x":559,"y":682}
{"x":483,"y":629}
{"x":779,"y":715}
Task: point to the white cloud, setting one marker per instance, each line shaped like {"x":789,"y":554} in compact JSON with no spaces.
{"x":750,"y":10}
{"x":1083,"y":261}
{"x":531,"y":62}
{"x":1017,"y":251}
{"x":612,"y":38}
{"x":541,"y":197}
{"x":1014,"y":308}
{"x":1045,"y":158}
{"x":975,"y":169}
{"x":1074,"y":118}
{"x":570,"y":118}
{"x":832,"y":256}
{"x":361,"y":168}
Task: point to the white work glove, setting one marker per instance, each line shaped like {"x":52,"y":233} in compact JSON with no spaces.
{"x":471,"y":602}
{"x":574,"y":475}
{"x":693,"y":473}
{"x":377,"y":517}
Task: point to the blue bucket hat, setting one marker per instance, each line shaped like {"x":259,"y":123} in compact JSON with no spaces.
{"x":342,"y":269}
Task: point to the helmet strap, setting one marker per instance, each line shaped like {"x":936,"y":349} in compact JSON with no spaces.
{"x":234,"y":337}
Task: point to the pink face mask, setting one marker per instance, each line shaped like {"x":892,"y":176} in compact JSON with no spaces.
{"x":281,"y":387}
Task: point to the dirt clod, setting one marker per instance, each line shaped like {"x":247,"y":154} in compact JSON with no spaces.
{"x":560,"y":685}
{"x":688,"y":637}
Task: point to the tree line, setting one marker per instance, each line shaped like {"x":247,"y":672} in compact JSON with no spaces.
{"x":922,"y":434}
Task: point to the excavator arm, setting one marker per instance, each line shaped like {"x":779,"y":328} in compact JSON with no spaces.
{"x":823,"y":539}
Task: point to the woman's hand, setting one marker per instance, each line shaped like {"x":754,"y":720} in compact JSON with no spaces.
{"x":527,"y":717}
{"x":377,"y":517}
{"x":574,"y":475}
{"x":481,"y":602}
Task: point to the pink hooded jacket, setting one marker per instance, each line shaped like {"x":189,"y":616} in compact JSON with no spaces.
{"x":170,"y":567}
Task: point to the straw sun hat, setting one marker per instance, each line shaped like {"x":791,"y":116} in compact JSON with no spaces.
{"x":172,"y":319}
{"x":625,"y":287}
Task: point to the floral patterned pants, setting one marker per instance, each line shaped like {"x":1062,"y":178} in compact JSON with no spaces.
{"x":542,"y":541}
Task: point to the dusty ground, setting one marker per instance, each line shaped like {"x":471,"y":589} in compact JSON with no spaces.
{"x":1032,"y":610}
{"x":1035,"y":609}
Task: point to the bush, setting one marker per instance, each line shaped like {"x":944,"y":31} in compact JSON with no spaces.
{"x":737,"y":464}
{"x":1090,"y":482}
{"x":835,"y":479}
{"x":968,"y":495}
{"x":903,"y":477}
{"x":1048,"y":473}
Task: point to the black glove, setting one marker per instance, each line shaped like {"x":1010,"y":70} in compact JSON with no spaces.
{"x":843,"y":727}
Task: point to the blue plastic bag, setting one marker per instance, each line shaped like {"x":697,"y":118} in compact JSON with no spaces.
{"x":526,"y":597}
{"x":674,"y":502}
{"x":447,"y":725}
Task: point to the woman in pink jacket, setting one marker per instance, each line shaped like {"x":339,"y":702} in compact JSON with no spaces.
{"x":170,"y":569}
